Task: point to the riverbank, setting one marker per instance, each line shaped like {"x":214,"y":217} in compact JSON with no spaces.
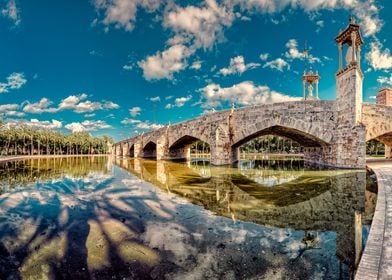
{"x":376,"y":261}
{"x":22,"y":157}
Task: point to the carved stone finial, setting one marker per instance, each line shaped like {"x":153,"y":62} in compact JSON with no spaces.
{"x":352,"y":20}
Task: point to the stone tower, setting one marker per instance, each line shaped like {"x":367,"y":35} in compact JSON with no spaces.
{"x":350,"y":133}
{"x":349,"y":78}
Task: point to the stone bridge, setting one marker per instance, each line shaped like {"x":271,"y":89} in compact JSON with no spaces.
{"x":333,"y":133}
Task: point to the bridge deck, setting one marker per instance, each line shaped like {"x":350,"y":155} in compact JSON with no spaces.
{"x":376,"y":262}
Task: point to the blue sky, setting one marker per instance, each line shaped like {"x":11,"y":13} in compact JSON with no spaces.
{"x":121,"y":67}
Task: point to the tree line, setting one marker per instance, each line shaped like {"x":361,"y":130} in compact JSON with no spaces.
{"x":271,"y":144}
{"x":25,"y":140}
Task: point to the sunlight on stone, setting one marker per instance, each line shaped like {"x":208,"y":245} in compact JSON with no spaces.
{"x":156,"y":207}
{"x":26,"y":230}
{"x":130,"y":251}
{"x":37,"y":264}
{"x":97,"y":247}
{"x":64,"y":216}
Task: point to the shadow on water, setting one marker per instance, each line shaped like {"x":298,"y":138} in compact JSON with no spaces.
{"x":83,"y":218}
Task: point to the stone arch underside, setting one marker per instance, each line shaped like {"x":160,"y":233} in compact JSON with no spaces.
{"x":150,"y":150}
{"x":131,"y":150}
{"x":315,"y":140}
{"x":180,"y":148}
{"x":303,"y":138}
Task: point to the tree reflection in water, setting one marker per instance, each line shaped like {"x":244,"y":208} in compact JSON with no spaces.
{"x":86,"y":219}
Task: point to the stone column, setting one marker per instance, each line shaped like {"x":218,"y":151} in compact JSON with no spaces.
{"x":353,"y":45}
{"x":359,"y":55}
{"x":304,"y":82}
{"x":317,"y":96}
{"x":138,"y":149}
{"x":340,"y":47}
{"x":388,"y":151}
{"x":162,"y":147}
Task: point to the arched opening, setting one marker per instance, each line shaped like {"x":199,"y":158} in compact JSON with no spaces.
{"x":150,"y":150}
{"x":380,"y":147}
{"x":131,"y":151}
{"x":189,"y":148}
{"x":280,"y":143}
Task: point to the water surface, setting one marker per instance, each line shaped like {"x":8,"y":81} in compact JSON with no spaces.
{"x":97,"y":218}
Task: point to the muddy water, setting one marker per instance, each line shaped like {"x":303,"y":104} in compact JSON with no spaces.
{"x":99,"y":218}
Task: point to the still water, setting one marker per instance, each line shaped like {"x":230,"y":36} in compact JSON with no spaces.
{"x":104,"y":218}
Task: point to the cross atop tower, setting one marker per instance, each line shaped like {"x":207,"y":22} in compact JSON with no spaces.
{"x":309,"y":79}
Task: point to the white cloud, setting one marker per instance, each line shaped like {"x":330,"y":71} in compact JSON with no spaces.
{"x":365,"y":10}
{"x":87,"y":125}
{"x":14,"y":81}
{"x":237,"y":66}
{"x":110,"y":105}
{"x":264,"y":56}
{"x":244,"y":94}
{"x":40,"y":107}
{"x":277,"y":64}
{"x":155,"y":99}
{"x":385,"y":80}
{"x":122,"y":13}
{"x":163,"y":65}
{"x":12,"y":12}
{"x":148,"y":126}
{"x":203,"y":26}
{"x":379,"y":59}
{"x":135,"y":111}
{"x":127,"y":67}
{"x":294,"y":53}
{"x":10,"y":110}
{"x":54,"y":124}
{"x":196,"y":65}
{"x":72,"y":102}
{"x":179,"y":102}
{"x":130,"y":121}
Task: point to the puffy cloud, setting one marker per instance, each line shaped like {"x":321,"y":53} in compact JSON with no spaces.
{"x":277,"y":64}
{"x":54,"y":124}
{"x":385,"y":80}
{"x":293,"y":52}
{"x":245,"y":93}
{"x":237,"y":66}
{"x":148,"y":126}
{"x":76,"y":103}
{"x":179,"y":102}
{"x":122,"y":13}
{"x":365,"y":10}
{"x":196,"y":65}
{"x":203,"y":26}
{"x":87,"y":125}
{"x":10,"y":110}
{"x":13,"y":81}
{"x":163,"y":65}
{"x":379,"y":59}
{"x":40,"y":107}
{"x":135,"y":111}
{"x":110,"y":105}
{"x":11,"y":11}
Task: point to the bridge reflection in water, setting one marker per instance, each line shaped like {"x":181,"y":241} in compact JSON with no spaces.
{"x":277,"y":193}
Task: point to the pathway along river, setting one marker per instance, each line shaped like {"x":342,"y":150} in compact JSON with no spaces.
{"x":104,"y":218}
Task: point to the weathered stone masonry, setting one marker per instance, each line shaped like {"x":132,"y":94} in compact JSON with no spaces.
{"x":333,"y":133}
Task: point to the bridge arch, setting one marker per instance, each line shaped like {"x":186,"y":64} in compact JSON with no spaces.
{"x":304,"y":133}
{"x":150,"y":150}
{"x":181,"y":146}
{"x":131,"y":151}
{"x":314,"y":141}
